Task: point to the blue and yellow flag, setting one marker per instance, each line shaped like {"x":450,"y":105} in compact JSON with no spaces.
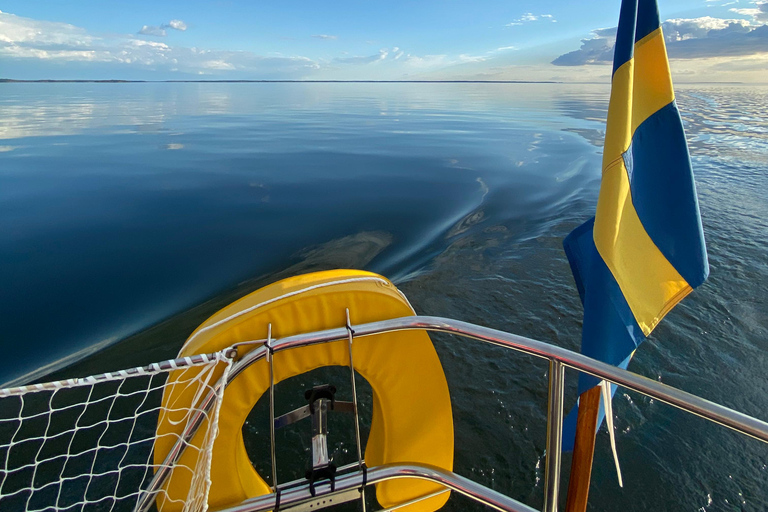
{"x":643,"y":252}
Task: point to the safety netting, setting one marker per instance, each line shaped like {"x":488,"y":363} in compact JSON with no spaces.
{"x":89,"y":444}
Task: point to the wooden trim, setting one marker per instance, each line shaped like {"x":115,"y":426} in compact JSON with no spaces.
{"x":583,"y":451}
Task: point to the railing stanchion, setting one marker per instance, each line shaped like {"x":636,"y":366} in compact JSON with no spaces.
{"x":350,"y":335}
{"x":554,"y":435}
{"x":271,"y":359}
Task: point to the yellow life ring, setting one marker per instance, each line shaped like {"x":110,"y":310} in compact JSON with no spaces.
{"x":411,"y":422}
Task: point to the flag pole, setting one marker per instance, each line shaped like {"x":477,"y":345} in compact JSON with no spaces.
{"x":583,"y":450}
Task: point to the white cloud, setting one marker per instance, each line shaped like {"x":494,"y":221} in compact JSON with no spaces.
{"x":24,"y":38}
{"x":149,"y":30}
{"x":471,"y":58}
{"x":177,"y":25}
{"x":17,"y":30}
{"x":427,"y":61}
{"x":746,"y":12}
{"x":686,"y":38}
{"x":22,"y":52}
{"x":680,"y":29}
{"x":146,"y":30}
{"x":432,"y":62}
{"x":529,"y":17}
{"x":759,"y":13}
{"x":325,"y":37}
{"x":691,"y":42}
{"x":219,"y":65}
{"x":382,"y":55}
{"x":33,"y":40}
{"x":152,"y":44}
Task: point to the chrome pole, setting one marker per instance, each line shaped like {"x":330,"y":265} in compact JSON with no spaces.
{"x":415,"y":500}
{"x":270,"y":359}
{"x":554,"y":434}
{"x":693,"y":404}
{"x":350,"y":333}
{"x":685,"y":401}
{"x":465,"y":486}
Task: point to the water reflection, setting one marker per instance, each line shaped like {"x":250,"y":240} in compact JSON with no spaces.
{"x":131,"y":212}
{"x":129,"y":203}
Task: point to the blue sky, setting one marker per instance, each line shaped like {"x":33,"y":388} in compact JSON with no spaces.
{"x":725,"y":40}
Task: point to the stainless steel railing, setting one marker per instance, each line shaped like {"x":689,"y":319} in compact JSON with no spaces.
{"x":354,"y":481}
{"x":558,"y":357}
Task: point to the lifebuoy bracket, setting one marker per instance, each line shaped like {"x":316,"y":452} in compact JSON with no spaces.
{"x":323,"y":473}
{"x":316,"y":393}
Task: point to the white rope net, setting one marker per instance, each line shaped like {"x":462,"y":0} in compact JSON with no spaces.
{"x":88,"y":444}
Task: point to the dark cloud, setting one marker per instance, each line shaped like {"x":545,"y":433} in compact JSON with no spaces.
{"x":732,"y":41}
{"x":685,"y":39}
{"x":597,"y":50}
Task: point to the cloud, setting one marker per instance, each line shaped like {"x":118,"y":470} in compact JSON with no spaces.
{"x":325,"y":37}
{"x":218,"y":65}
{"x":24,"y":38}
{"x":697,"y":28}
{"x":25,"y":41}
{"x":528,"y":17}
{"x":423,"y":63}
{"x":759,"y":13}
{"x":15,"y":30}
{"x":596,"y":50}
{"x":177,"y":25}
{"x":427,"y":61}
{"x":149,"y":30}
{"x":396,"y":63}
{"x":692,"y":38}
{"x":472,"y":58}
{"x":383,"y":53}
{"x":733,"y":40}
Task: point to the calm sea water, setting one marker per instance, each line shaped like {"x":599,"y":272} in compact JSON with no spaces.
{"x":131,"y":212}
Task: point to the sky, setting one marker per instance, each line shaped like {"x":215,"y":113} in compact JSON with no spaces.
{"x":562,"y":40}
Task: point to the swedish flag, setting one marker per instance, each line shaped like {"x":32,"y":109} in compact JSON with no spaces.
{"x":643,"y":252}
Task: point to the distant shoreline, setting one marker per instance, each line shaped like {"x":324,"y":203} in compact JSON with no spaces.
{"x":13,"y":80}
{"x":57,"y":81}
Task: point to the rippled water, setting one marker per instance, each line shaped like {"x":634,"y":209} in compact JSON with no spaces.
{"x":130,"y":212}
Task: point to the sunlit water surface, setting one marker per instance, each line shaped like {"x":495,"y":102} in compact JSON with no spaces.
{"x":131,"y":212}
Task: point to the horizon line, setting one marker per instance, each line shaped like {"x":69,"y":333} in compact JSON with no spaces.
{"x":117,"y":80}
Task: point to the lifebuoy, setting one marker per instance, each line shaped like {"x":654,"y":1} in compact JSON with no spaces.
{"x":412,"y":420}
